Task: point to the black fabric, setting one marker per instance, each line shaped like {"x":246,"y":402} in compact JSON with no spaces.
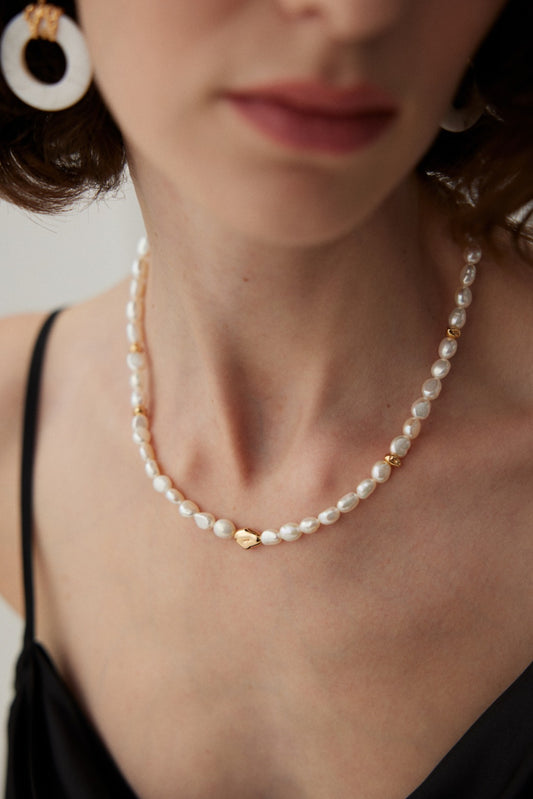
{"x":55,"y":752}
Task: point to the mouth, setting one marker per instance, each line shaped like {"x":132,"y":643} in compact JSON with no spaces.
{"x":315,"y":115}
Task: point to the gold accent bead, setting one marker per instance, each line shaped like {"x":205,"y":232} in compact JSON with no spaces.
{"x":247,"y":538}
{"x":140,"y":411}
{"x":453,"y":332}
{"x":393,"y":460}
{"x":136,"y":348}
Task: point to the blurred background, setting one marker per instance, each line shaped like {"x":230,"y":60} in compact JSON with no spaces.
{"x":46,"y":262}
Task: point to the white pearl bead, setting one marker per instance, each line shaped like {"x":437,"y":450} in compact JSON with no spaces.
{"x":381,"y":471}
{"x":447,"y":348}
{"x":309,"y":525}
{"x":161,"y":483}
{"x":143,"y":247}
{"x":141,"y":435}
{"x":400,"y":446}
{"x":348,"y":502}
{"x":223,"y":528}
{"x":411,"y":428}
{"x":365,"y":488}
{"x":440,"y":368}
{"x":421,"y":408}
{"x":137,"y":380}
{"x":473,"y":254}
{"x":457,"y":318}
{"x":146,"y":452}
{"x":136,"y":361}
{"x":136,"y":398}
{"x":188,"y":508}
{"x":134,"y":288}
{"x":133,"y":333}
{"x":468,"y":274}
{"x":174,"y":496}
{"x":329,"y":516}
{"x":151,"y":468}
{"x":138,"y":421}
{"x":290,"y":532}
{"x":431,"y":388}
{"x":270,"y":538}
{"x":204,"y":521}
{"x":463,"y":297}
{"x":133,"y":311}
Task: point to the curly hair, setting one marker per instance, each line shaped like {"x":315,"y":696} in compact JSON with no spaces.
{"x":484,"y":176}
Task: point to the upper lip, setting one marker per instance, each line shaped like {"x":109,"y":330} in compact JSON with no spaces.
{"x":322,"y":98}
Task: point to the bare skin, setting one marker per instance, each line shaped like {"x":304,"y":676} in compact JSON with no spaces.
{"x":285,"y":355}
{"x":392,"y":632}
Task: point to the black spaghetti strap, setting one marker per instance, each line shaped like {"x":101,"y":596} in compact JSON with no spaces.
{"x":28,"y":452}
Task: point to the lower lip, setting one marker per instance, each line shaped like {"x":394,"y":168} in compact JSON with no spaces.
{"x":326,"y":133}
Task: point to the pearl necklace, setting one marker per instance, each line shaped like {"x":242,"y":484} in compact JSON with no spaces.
{"x":381,"y":470}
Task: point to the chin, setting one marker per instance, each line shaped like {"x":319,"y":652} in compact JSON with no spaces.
{"x":282,"y":216}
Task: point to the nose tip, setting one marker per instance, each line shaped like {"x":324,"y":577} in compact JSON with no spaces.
{"x":355,"y":19}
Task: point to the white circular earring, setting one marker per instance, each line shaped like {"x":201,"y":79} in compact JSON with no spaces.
{"x":460,"y":118}
{"x":43,"y":21}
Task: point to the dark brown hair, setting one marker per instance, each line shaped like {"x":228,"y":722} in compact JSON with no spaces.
{"x":484,"y":175}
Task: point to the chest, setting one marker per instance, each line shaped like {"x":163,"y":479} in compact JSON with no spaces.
{"x":345,"y":664}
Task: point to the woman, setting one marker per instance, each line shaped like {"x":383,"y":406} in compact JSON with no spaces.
{"x":308,"y":229}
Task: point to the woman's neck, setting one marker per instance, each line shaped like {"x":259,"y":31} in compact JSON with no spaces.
{"x":255,"y":345}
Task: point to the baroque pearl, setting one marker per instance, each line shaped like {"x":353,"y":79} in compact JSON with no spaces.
{"x":457,"y":318}
{"x":329,"y":516}
{"x":447,"y":348}
{"x":400,"y":446}
{"x":440,"y":368}
{"x":431,"y":388}
{"x":270,"y":538}
{"x":187,"y":508}
{"x":174,"y":496}
{"x":421,"y":408}
{"x":151,"y":468}
{"x":290,"y":532}
{"x":365,"y":488}
{"x":348,"y":502}
{"x":146,"y":452}
{"x":468,"y":275}
{"x":161,"y":483}
{"x":381,"y":471}
{"x":411,"y":428}
{"x":463,"y":297}
{"x":309,"y":525}
{"x":205,"y":521}
{"x":223,"y":528}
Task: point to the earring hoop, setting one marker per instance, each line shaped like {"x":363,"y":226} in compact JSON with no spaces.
{"x":460,"y":118}
{"x":44,"y":21}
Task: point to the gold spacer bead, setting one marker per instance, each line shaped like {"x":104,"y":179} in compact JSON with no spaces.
{"x":136,"y":348}
{"x":453,"y":332}
{"x":140,"y":411}
{"x":393,"y":460}
{"x":247,"y":538}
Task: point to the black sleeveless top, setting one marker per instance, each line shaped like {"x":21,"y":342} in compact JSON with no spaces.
{"x":55,"y":753}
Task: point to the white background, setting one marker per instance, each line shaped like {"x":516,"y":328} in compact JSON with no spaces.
{"x":46,"y":262}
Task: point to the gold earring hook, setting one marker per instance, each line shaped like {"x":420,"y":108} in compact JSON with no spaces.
{"x":43,"y":20}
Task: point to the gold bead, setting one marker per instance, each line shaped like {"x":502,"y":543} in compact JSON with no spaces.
{"x":136,"y":348}
{"x":453,"y":332}
{"x":247,"y":538}
{"x":393,"y":460}
{"x":140,"y":411}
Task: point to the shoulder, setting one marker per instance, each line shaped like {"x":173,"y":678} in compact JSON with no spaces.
{"x":17,"y":337}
